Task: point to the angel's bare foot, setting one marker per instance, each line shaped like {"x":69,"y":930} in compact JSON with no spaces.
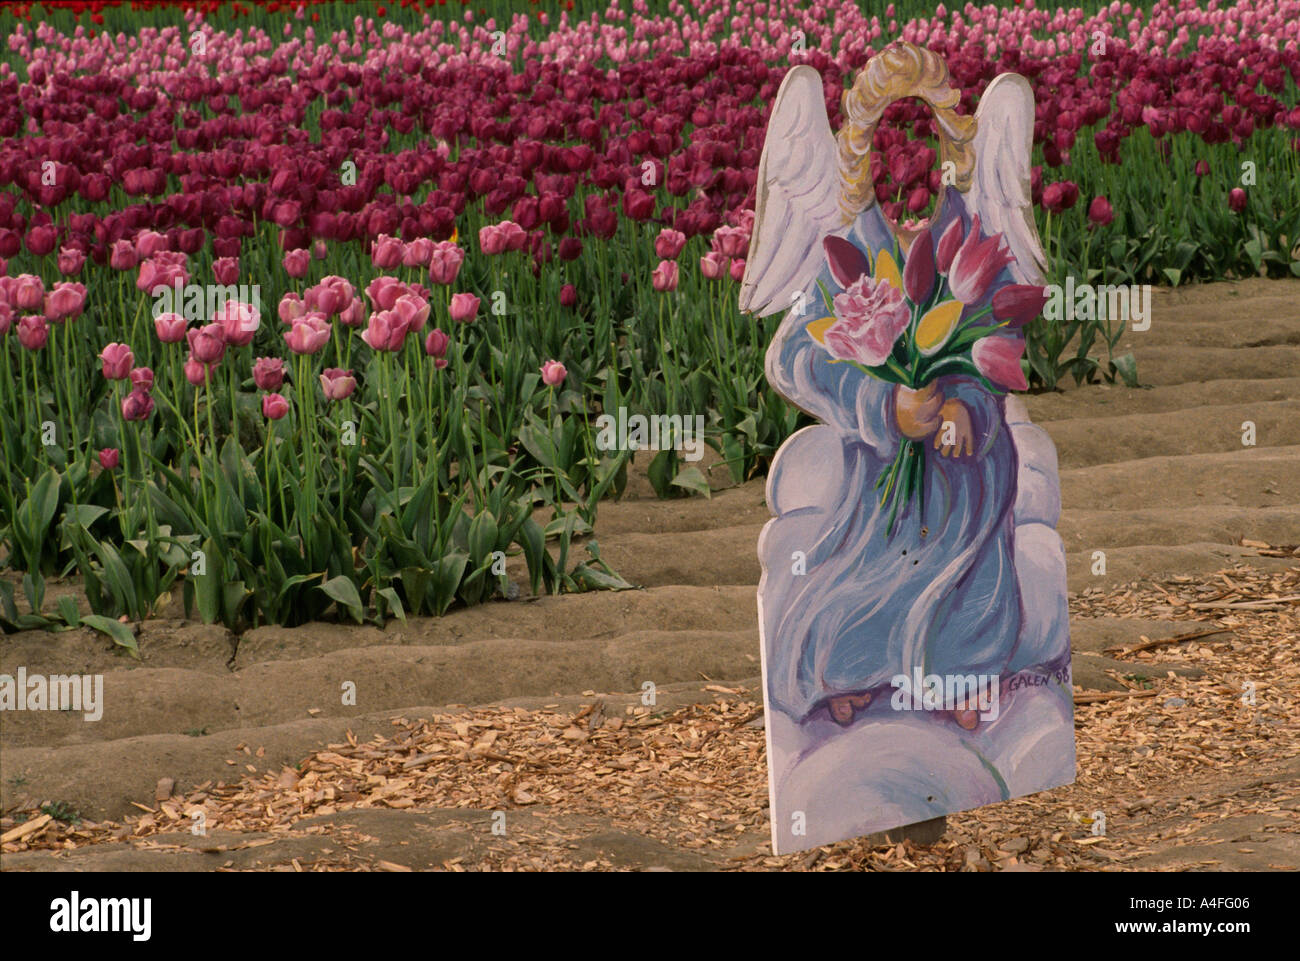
{"x":842,"y":707}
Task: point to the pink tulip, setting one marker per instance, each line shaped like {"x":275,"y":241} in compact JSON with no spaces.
{"x":463,"y":307}
{"x":297,"y":263}
{"x":384,"y":291}
{"x":435,"y":345}
{"x":387,"y":252}
{"x":123,"y":255}
{"x":737,"y":269}
{"x":291,"y":308}
{"x":310,"y":333}
{"x":553,"y":372}
{"x":33,"y":332}
{"x":274,"y":406}
{"x":998,"y":359}
{"x":142,"y":378}
{"x":354,"y":314}
{"x":319,"y":250}
{"x":490,"y":240}
{"x":413,"y":311}
{"x":109,"y":458}
{"x":207,"y":343}
{"x":1237,"y":199}
{"x":417,"y":253}
{"x":268,"y":373}
{"x":239,"y":322}
{"x":976,"y":264}
{"x":148,"y":243}
{"x":117,"y":360}
{"x":337,"y":383}
{"x":6,"y":317}
{"x":513,"y":236}
{"x":664,"y":277}
{"x":712,"y":265}
{"x":170,"y":328}
{"x":330,"y":296}
{"x":28,"y":292}
{"x":226,"y":270}
{"x":161,"y":271}
{"x":66,"y":300}
{"x":386,"y":331}
{"x":444,"y":262}
{"x":1099,"y":212}
{"x":137,"y":405}
{"x":71,"y":260}
{"x":196,"y":373}
{"x":669,"y":244}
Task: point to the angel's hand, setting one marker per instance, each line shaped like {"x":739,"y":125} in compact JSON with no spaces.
{"x":918,"y":411}
{"x":954,"y":435}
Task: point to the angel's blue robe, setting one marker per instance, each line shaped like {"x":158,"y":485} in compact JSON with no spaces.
{"x":975,"y":585}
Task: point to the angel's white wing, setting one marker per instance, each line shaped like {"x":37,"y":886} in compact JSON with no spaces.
{"x":797,"y":202}
{"x":999,"y":190}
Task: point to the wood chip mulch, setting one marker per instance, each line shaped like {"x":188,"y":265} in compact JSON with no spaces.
{"x":1151,"y":758}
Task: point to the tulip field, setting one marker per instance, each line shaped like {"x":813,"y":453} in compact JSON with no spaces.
{"x":312,"y":309}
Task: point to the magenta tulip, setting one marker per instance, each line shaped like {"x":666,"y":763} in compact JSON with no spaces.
{"x":568,"y":296}
{"x":71,"y":260}
{"x":417,"y":253}
{"x":207,"y":343}
{"x":123,"y":256}
{"x":226,"y":270}
{"x":109,"y":458}
{"x":142,"y":378}
{"x":413,"y":311}
{"x":66,"y":300}
{"x":238,"y":321}
{"x":28,"y":292}
{"x":435,"y":345}
{"x":148,"y":243}
{"x":1237,"y":199}
{"x":137,"y":405}
{"x":669,"y":244}
{"x":309,"y":334}
{"x":387,"y":252}
{"x":1099,"y":212}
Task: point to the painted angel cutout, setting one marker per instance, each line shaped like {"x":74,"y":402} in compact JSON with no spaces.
{"x":913,"y":536}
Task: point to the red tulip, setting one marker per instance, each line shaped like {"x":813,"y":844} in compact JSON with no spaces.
{"x":1237,"y":199}
{"x":109,"y":458}
{"x":1099,"y":211}
{"x":568,"y":295}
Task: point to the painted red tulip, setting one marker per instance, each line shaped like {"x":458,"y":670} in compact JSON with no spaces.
{"x":268,"y":373}
{"x":337,"y":383}
{"x":274,"y":406}
{"x":998,"y":359}
{"x":553,"y":373}
{"x":117,"y":360}
{"x":109,"y":458}
{"x":846,"y":261}
{"x":170,"y":328}
{"x":1018,"y":304}
{"x":918,"y":269}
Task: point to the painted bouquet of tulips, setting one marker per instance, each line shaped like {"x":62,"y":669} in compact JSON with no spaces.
{"x":937,"y":316}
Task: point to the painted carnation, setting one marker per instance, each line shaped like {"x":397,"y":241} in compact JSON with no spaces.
{"x":869,"y":317}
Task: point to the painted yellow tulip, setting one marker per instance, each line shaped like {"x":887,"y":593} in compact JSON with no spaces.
{"x":934,"y":329}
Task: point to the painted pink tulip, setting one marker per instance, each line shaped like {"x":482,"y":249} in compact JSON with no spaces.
{"x":337,"y":383}
{"x":386,"y":253}
{"x":28,"y":292}
{"x":444,"y":262}
{"x":33,"y":332}
{"x":170,"y":328}
{"x":142,"y":378}
{"x":463,"y":307}
{"x":664,"y":277}
{"x":949,"y":244}
{"x":137,"y":405}
{"x":998,"y":359}
{"x":71,"y":260}
{"x":309,"y":334}
{"x":553,"y":373}
{"x":149,"y":242}
{"x":66,"y":300}
{"x":386,"y":331}
{"x":274,"y":406}
{"x":669,"y":244}
{"x":109,"y":458}
{"x":297,"y":263}
{"x":207,"y":343}
{"x":1237,"y":199}
{"x":918,"y":269}
{"x":869,"y":317}
{"x":117,"y":360}
{"x":1018,"y":304}
{"x":413,"y":311}
{"x":226,"y":270}
{"x":417,"y":253}
{"x":268,"y":373}
{"x":239,"y":322}
{"x":976,"y":264}
{"x":123,"y":255}
{"x":712,"y":265}
{"x":354,"y":314}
